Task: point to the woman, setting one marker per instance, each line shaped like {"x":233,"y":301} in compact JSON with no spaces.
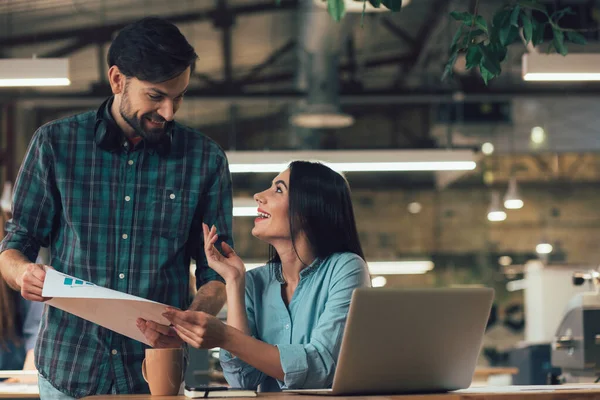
{"x":19,"y":325}
{"x":285,"y":320}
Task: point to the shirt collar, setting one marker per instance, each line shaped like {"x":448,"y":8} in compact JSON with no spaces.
{"x":277,"y":270}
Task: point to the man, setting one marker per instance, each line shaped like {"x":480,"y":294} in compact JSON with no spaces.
{"x":119,"y":194}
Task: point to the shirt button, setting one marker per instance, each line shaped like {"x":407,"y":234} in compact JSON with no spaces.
{"x":127,"y":198}
{"x":121,"y":275}
{"x":172,"y":196}
{"x":124,"y":236}
{"x":287,"y":326}
{"x":130,"y":162}
{"x":114,"y":352}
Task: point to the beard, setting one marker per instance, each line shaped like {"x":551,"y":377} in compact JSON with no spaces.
{"x":151,"y":135}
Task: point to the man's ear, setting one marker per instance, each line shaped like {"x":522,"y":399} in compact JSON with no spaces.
{"x":116,"y":80}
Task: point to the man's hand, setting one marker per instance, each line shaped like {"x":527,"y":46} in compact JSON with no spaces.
{"x":31,"y":281}
{"x":159,"y":336}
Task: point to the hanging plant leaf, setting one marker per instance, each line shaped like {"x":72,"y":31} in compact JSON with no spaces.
{"x":375,"y":3}
{"x":454,"y":46}
{"x":394,"y":5}
{"x":502,"y":19}
{"x":489,"y":60}
{"x":449,"y":66}
{"x":534,"y":5}
{"x":538,"y":32}
{"x":514,"y":16}
{"x":485,"y":74}
{"x":527,"y":28}
{"x":336,"y":9}
{"x":481,"y":23}
{"x":462,"y":16}
{"x":559,"y":41}
{"x":576,"y":37}
{"x":473,"y":57}
{"x":508,"y":34}
{"x":498,"y":51}
{"x":557,"y":15}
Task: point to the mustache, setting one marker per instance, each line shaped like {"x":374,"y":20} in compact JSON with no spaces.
{"x":155,"y":118}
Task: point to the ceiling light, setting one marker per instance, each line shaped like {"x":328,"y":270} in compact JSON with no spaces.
{"x":543,"y":248}
{"x":505,"y":261}
{"x":555,"y":67}
{"x":415,"y":207}
{"x":519,"y":284}
{"x":378,"y":281}
{"x":399,"y":267}
{"x":355,"y":160}
{"x":357,"y":6}
{"x":384,"y":267}
{"x":495,"y":212}
{"x":321,"y":116}
{"x":487,"y":148}
{"x":18,"y":72}
{"x":512,"y":199}
{"x":538,"y":135}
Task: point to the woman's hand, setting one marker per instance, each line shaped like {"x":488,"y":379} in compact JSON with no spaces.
{"x":197,"y":328}
{"x":228,"y":265}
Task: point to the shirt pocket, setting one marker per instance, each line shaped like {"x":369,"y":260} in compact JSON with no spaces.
{"x":171,"y":214}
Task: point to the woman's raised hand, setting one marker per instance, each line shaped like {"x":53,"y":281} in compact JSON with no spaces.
{"x":228,"y":264}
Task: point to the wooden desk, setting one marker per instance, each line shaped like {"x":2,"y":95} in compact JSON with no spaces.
{"x":558,"y":395}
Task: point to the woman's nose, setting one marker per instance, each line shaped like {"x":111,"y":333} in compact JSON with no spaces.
{"x":257,"y":198}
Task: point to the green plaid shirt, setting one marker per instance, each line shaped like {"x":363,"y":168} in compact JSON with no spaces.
{"x":128,"y":219}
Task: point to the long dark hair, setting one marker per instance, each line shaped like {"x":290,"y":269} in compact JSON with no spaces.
{"x":320,"y":206}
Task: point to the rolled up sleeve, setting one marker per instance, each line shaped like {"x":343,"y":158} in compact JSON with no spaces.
{"x":217,"y":210}
{"x":312,"y":365}
{"x":35,"y":199}
{"x":238,"y":373}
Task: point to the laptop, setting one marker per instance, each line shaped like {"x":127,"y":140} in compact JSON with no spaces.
{"x":410,"y":341}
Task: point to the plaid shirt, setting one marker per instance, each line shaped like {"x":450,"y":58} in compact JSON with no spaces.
{"x":128,"y":219}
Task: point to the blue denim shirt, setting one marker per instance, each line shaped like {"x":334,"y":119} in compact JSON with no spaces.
{"x":28,"y":315}
{"x":308,"y":332}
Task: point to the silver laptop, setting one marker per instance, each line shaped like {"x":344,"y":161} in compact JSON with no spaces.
{"x":410,"y":341}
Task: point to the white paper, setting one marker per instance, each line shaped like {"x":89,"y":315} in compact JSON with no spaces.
{"x":528,"y":388}
{"x":109,"y":308}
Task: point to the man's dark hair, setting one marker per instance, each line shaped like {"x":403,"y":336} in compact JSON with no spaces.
{"x":152,"y":50}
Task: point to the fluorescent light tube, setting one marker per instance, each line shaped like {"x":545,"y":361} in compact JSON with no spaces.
{"x":384,"y":267}
{"x":555,"y":67}
{"x":20,"y":72}
{"x":355,"y":160}
{"x":244,"y":207}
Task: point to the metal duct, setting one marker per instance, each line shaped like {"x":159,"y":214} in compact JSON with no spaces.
{"x":319,"y":46}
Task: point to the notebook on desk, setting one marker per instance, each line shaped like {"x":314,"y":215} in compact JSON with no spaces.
{"x":410,"y":341}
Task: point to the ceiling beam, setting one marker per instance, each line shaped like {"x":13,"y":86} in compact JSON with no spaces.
{"x":106,"y":31}
{"x":385,"y":96}
{"x":399,"y":32}
{"x":426,"y":35}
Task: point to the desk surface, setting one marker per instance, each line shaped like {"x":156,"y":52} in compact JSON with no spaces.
{"x":572,"y":394}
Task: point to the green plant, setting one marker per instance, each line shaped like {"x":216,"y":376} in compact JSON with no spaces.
{"x":486,"y":44}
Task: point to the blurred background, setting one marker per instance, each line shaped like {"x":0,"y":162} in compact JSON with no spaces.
{"x":284,"y":76}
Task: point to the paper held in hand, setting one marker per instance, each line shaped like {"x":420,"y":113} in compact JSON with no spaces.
{"x":109,"y":308}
